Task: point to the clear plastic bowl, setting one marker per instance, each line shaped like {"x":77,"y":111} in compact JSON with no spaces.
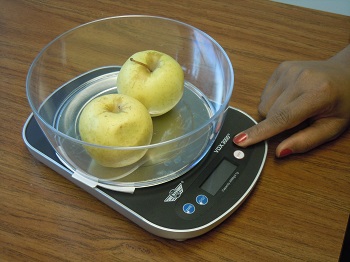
{"x":84,"y":62}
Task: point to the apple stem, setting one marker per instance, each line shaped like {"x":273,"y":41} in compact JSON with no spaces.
{"x":140,"y":63}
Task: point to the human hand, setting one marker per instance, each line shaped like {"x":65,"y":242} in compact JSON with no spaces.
{"x":314,"y":91}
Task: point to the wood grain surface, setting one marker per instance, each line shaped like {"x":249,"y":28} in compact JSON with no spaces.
{"x":300,"y":206}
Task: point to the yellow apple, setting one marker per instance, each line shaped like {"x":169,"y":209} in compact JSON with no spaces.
{"x":154,"y":78}
{"x":115,"y":120}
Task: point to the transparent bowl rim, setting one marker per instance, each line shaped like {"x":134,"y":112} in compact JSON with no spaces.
{"x":60,"y":134}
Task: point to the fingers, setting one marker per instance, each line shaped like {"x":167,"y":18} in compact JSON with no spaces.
{"x":299,"y":91}
{"x":262,"y":131}
{"x":321,"y":131}
{"x":280,"y":118}
{"x":278,"y":83}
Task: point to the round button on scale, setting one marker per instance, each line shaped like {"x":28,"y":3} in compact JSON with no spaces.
{"x":239,"y":154}
{"x":188,"y":208}
{"x":202,"y":200}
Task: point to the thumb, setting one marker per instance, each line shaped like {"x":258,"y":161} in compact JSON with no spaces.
{"x":320,"y":132}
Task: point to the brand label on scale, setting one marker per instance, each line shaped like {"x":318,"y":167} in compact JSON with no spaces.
{"x":175,"y":193}
{"x":223,"y":143}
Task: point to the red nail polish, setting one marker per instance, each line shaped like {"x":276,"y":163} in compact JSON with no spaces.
{"x":285,"y":152}
{"x":240,"y":138}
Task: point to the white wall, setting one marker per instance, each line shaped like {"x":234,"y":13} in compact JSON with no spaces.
{"x":341,"y":7}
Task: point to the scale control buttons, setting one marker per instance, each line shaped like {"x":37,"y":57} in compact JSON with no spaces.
{"x":239,"y":154}
{"x":202,"y":200}
{"x":188,"y":208}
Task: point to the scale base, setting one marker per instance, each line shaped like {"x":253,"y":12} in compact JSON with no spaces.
{"x":188,"y":206}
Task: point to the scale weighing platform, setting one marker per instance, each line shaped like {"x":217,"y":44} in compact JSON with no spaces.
{"x":189,"y":205}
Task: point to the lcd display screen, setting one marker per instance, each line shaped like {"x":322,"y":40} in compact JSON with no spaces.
{"x":218,"y":177}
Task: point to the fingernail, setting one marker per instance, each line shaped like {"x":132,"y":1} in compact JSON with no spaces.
{"x":240,"y":138}
{"x":285,"y":152}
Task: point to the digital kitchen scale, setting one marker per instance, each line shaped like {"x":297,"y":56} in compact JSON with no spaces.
{"x":187,"y":206}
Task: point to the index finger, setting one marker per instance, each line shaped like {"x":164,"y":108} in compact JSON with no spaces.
{"x":279,"y":120}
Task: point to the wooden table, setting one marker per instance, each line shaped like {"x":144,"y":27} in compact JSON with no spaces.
{"x":300,"y":206}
